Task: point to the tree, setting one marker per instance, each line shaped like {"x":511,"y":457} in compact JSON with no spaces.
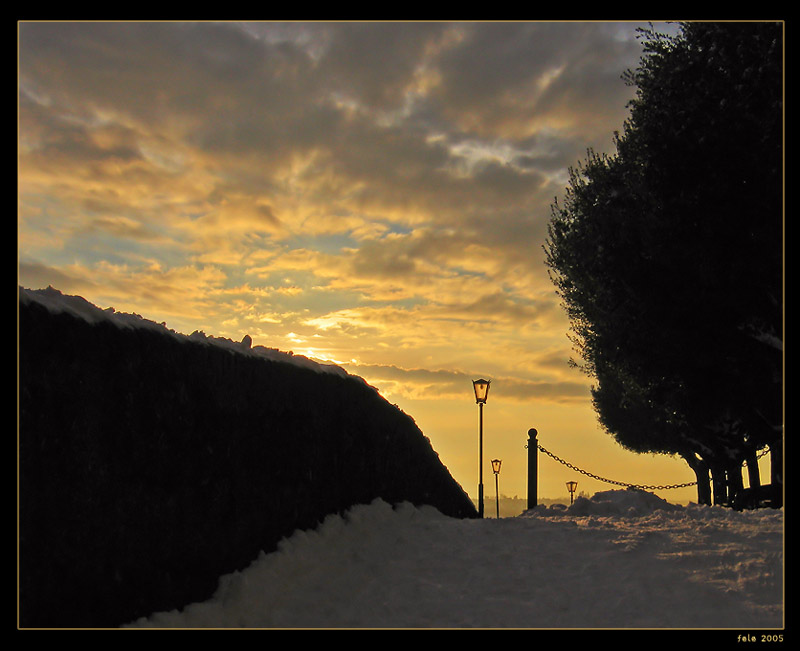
{"x":668,"y":255}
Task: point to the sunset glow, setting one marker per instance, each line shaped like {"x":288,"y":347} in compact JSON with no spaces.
{"x":374,"y":195}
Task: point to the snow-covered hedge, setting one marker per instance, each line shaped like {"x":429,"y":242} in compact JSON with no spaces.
{"x":152,"y":463}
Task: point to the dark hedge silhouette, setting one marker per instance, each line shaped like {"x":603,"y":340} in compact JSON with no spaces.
{"x":149,"y":466}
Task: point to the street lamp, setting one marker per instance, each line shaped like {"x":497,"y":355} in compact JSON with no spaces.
{"x":496,"y":467}
{"x":571,"y":486}
{"x":481,"y":393}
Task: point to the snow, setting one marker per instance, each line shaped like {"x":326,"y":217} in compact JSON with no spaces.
{"x":622,"y":559}
{"x":57,"y":302}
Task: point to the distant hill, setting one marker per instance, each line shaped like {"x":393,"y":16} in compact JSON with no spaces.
{"x":151,"y":463}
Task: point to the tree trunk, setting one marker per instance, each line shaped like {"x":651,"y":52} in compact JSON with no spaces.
{"x":700,"y":469}
{"x":720,"y":481}
{"x":753,"y":473}
{"x":754,"y":478}
{"x":703,"y":484}
{"x":735,"y":487}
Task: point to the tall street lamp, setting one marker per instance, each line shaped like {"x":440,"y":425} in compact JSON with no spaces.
{"x":496,"y":467}
{"x":481,"y":393}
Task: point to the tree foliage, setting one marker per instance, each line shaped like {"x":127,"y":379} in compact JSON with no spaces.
{"x":668,"y":255}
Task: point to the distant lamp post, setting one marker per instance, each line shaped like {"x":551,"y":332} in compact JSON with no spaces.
{"x":481,"y":393}
{"x":571,"y":486}
{"x":496,"y":468}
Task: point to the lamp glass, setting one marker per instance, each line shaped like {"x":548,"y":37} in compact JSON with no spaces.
{"x":496,"y":466}
{"x":481,"y":390}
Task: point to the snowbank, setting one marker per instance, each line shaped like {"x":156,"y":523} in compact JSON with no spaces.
{"x":622,"y":559}
{"x":616,"y":502}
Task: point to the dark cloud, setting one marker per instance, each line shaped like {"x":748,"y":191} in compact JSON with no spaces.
{"x":374,"y":63}
{"x":50,"y":139}
{"x":494,"y":60}
{"x":36,"y":275}
{"x":117,"y":227}
{"x":146,"y":69}
{"x":438,"y":384}
{"x":513,"y":73}
{"x":502,"y":307}
{"x":261,"y":95}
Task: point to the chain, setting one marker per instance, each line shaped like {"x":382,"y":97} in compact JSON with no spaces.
{"x":611,"y":481}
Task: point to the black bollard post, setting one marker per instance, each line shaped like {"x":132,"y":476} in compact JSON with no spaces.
{"x":533,"y":470}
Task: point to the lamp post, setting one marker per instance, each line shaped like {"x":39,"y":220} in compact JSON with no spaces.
{"x":481,"y":393}
{"x":496,"y":467}
{"x":571,"y":486}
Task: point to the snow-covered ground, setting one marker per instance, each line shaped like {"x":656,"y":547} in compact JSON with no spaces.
{"x":622,"y":559}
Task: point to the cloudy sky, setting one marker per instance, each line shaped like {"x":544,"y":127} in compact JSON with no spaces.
{"x":374,"y":194}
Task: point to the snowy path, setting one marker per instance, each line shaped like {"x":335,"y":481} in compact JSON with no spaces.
{"x":619,"y":560}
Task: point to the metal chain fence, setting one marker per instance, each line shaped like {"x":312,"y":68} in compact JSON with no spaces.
{"x":611,"y":481}
{"x":621,"y":483}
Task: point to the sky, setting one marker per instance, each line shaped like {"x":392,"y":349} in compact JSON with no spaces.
{"x":372,"y":194}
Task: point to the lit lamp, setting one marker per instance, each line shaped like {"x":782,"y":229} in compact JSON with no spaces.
{"x":496,"y":468}
{"x":481,"y":393}
{"x":571,"y":486}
